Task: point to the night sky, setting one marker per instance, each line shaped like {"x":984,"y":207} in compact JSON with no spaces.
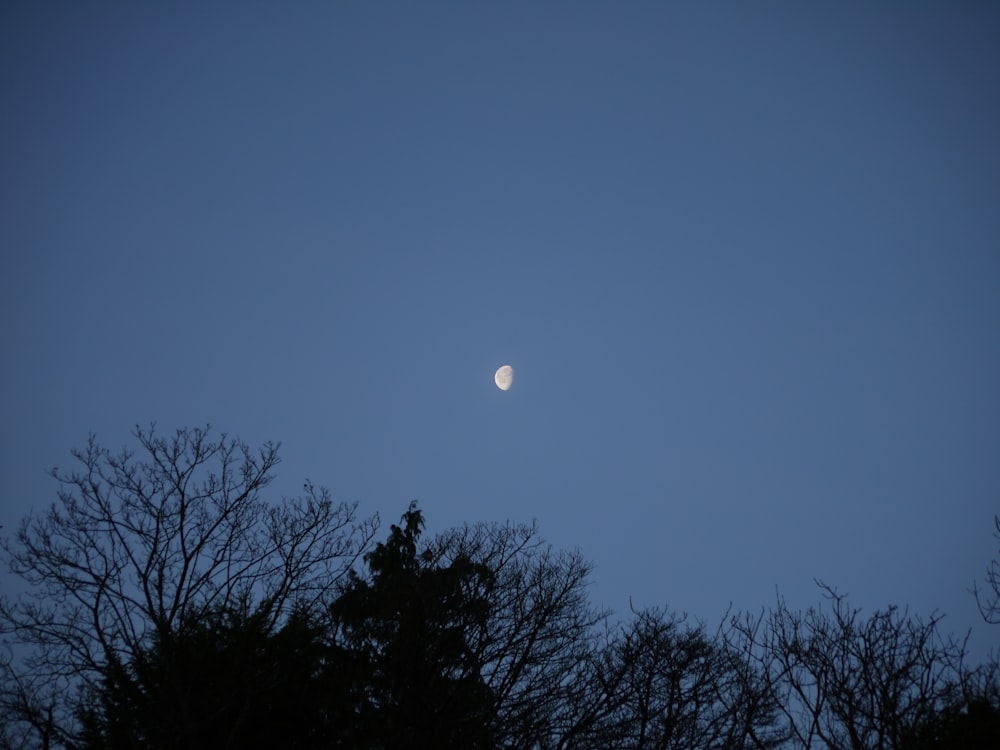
{"x":743,"y":257}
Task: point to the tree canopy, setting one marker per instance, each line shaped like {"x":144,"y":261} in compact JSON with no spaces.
{"x":169,"y":604}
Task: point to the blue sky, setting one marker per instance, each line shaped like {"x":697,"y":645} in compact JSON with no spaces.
{"x":744,"y":259}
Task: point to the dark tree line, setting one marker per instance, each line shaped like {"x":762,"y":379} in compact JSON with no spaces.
{"x":169,"y":605}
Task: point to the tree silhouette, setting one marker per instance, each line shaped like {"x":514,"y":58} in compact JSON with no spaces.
{"x":681,"y":687}
{"x":844,"y":681}
{"x":540,"y":648}
{"x":143,"y":544}
{"x":481,"y":637}
{"x":170,"y":606}
{"x":224,"y":680}
{"x":406,"y":628}
{"x":989,"y":599}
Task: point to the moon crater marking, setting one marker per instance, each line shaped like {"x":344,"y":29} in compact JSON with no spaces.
{"x":504,"y":378}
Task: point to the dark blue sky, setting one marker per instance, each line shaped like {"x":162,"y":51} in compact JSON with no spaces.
{"x":744,"y":258}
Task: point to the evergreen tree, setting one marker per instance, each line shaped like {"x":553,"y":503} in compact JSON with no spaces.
{"x":407,"y":628}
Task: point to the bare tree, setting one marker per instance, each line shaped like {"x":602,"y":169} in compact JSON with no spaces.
{"x":989,"y":599}
{"x":562,"y":676}
{"x":138,"y":543}
{"x":538,"y":649}
{"x":743,"y":687}
{"x":847,"y":682}
{"x":685,"y":688}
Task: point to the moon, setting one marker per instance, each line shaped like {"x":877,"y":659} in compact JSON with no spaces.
{"x":504,"y":378}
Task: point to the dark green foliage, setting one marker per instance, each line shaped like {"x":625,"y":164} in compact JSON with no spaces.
{"x":969,"y":719}
{"x":483,"y":639}
{"x":173,"y":607}
{"x":974,"y":726}
{"x":390,"y":669}
{"x":154,"y":555}
{"x":222,"y":680}
{"x":407,"y":628}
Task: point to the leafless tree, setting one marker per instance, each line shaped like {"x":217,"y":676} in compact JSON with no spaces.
{"x":754,"y":716}
{"x":686,"y":688}
{"x":138,"y":542}
{"x":988,"y":599}
{"x":562,"y":676}
{"x":538,"y":650}
{"x":847,"y":682}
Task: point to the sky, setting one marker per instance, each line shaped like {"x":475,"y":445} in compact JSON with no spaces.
{"x":743,"y":257}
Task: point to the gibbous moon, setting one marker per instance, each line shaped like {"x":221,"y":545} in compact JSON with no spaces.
{"x":504,"y":378}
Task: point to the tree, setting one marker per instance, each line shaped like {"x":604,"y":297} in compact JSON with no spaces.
{"x":482,"y":637}
{"x":225,"y":680}
{"x":539,"y":649}
{"x":969,"y":718}
{"x":853,"y":683}
{"x":170,"y":605}
{"x":684,"y":688}
{"x":989,"y":599}
{"x":404,"y":633}
{"x":143,"y":544}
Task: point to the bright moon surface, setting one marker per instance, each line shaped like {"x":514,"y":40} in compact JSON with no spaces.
{"x":504,"y":377}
